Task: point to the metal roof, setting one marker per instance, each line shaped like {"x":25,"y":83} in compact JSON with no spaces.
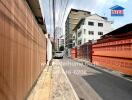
{"x":36,"y":10}
{"x":124,"y":29}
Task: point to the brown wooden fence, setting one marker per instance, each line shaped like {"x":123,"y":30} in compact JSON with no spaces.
{"x":85,"y":51}
{"x":22,"y":49}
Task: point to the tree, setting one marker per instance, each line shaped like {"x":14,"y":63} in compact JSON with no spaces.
{"x":61,"y":48}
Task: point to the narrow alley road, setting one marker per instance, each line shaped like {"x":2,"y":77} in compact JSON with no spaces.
{"x":94,"y":84}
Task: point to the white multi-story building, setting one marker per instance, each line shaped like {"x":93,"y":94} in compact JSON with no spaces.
{"x":91,"y":28}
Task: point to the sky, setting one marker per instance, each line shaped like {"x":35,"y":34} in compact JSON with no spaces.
{"x":100,"y":7}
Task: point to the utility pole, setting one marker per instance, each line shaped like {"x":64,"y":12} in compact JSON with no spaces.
{"x":54,"y":21}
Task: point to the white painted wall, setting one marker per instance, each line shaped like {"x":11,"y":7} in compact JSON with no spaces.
{"x":85,"y":37}
{"x":49,"y":50}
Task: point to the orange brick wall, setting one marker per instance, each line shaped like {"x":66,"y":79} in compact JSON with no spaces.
{"x":22,"y":49}
{"x":120,"y":48}
{"x":116,"y":55}
{"x":73,"y":53}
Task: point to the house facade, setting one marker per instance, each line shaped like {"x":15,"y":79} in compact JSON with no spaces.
{"x":91,"y":28}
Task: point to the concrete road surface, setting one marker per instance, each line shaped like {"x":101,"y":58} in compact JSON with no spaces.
{"x":95,"y":84}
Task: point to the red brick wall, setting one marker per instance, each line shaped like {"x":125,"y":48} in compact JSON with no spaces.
{"x":22,"y":49}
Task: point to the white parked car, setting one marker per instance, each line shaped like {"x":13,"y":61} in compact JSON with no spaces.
{"x":58,"y":54}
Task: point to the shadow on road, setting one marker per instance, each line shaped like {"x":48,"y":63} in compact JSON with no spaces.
{"x":109,"y":87}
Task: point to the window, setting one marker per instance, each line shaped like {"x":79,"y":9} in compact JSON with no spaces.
{"x":100,"y":24}
{"x":91,"y":23}
{"x":79,"y":42}
{"x":78,"y":27}
{"x":73,"y":45}
{"x":100,"y":33}
{"x":79,"y":34}
{"x":84,"y":31}
{"x":91,"y":32}
{"x":73,"y":37}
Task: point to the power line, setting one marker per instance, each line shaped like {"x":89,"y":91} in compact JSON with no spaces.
{"x":54,"y":20}
{"x":61,"y":24}
{"x":50,"y":13}
{"x":64,"y":12}
{"x":67,"y":4}
{"x":60,"y":12}
{"x":61,"y":9}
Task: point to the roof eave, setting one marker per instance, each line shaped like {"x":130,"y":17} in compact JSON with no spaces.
{"x":36,"y":10}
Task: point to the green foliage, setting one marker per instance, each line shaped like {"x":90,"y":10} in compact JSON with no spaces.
{"x":61,"y":48}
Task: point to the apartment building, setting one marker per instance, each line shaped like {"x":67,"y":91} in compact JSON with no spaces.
{"x":91,"y":28}
{"x":72,"y":20}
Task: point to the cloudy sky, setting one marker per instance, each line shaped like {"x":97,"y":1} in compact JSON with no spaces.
{"x":101,"y":7}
